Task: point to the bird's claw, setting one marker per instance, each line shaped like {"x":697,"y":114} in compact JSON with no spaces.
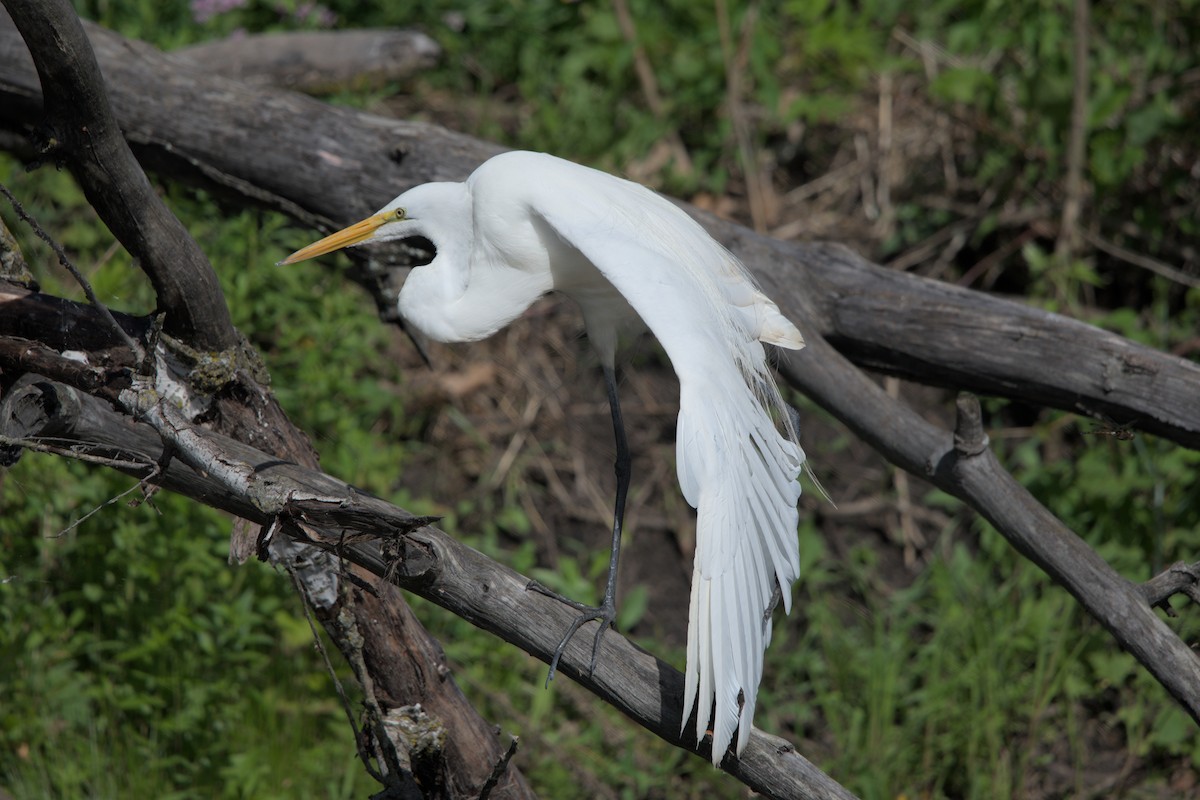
{"x":605,"y":613}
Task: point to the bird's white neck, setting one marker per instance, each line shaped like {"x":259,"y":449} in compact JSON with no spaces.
{"x":467,"y":292}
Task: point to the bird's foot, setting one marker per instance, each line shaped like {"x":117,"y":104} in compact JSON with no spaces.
{"x":605,"y":614}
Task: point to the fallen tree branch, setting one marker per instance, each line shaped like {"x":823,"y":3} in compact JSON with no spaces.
{"x":80,"y":425}
{"x":322,"y":511}
{"x":316,"y":62}
{"x":211,"y":132}
{"x":943,"y":335}
{"x":963,"y":465}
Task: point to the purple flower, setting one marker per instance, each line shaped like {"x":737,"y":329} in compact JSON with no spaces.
{"x":309,"y":13}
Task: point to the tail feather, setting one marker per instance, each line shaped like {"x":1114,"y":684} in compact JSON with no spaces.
{"x":741,"y":474}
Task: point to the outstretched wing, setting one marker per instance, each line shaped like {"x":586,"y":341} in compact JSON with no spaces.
{"x":734,"y":465}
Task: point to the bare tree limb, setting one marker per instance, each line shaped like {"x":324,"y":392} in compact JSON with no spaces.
{"x":397,"y":651}
{"x":321,"y":510}
{"x":963,"y":465}
{"x":944,"y":335}
{"x":316,"y":62}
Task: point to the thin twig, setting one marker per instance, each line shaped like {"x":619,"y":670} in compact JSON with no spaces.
{"x":1138,"y":260}
{"x":40,"y":445}
{"x":363,"y":755}
{"x":649,"y":85}
{"x":1068,"y":233}
{"x":862,"y":150}
{"x":944,"y":133}
{"x":984,"y":265}
{"x":828,"y":180}
{"x":499,"y":770}
{"x":883,"y":187}
{"x":110,"y":501}
{"x":75,"y":273}
{"x":509,"y":457}
{"x":910,"y":533}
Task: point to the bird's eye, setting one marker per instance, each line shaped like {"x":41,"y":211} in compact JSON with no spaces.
{"x":398,"y":214}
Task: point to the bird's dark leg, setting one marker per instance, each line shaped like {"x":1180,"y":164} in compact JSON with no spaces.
{"x":606,"y":612}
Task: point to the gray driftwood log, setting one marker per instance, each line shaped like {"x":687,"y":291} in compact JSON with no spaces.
{"x":316,"y":62}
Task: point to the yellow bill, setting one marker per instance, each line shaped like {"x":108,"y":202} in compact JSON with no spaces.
{"x":356,"y":234}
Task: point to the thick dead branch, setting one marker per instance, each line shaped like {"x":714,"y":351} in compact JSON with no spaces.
{"x":944,"y":335}
{"x":353,"y":163}
{"x":395,"y":648}
{"x":316,"y":62}
{"x":82,"y":130}
{"x":963,"y":465}
{"x":1178,"y":578}
{"x":323,"y":511}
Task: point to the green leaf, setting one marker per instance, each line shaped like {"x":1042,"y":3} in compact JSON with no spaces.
{"x":963,"y":85}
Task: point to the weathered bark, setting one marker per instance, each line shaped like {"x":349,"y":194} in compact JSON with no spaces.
{"x":943,"y":335}
{"x":316,"y":62}
{"x":962,"y":465}
{"x":322,"y":510}
{"x":327,"y":166}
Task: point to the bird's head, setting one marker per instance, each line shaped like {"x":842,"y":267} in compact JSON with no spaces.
{"x":390,"y":222}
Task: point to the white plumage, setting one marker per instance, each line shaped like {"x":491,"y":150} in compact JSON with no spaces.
{"x":524,"y":224}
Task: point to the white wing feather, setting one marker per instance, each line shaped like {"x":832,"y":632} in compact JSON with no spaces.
{"x":734,"y":465}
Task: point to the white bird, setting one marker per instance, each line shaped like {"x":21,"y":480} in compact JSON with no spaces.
{"x":524,"y":224}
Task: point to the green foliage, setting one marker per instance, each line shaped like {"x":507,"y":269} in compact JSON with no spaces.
{"x":1014,"y":81}
{"x":968,"y":682}
{"x":135,"y":657}
{"x":136,"y":662}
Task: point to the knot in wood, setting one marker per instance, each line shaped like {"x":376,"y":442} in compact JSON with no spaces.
{"x":969,"y":438}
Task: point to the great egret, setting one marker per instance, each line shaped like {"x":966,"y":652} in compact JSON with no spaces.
{"x":524,"y":224}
